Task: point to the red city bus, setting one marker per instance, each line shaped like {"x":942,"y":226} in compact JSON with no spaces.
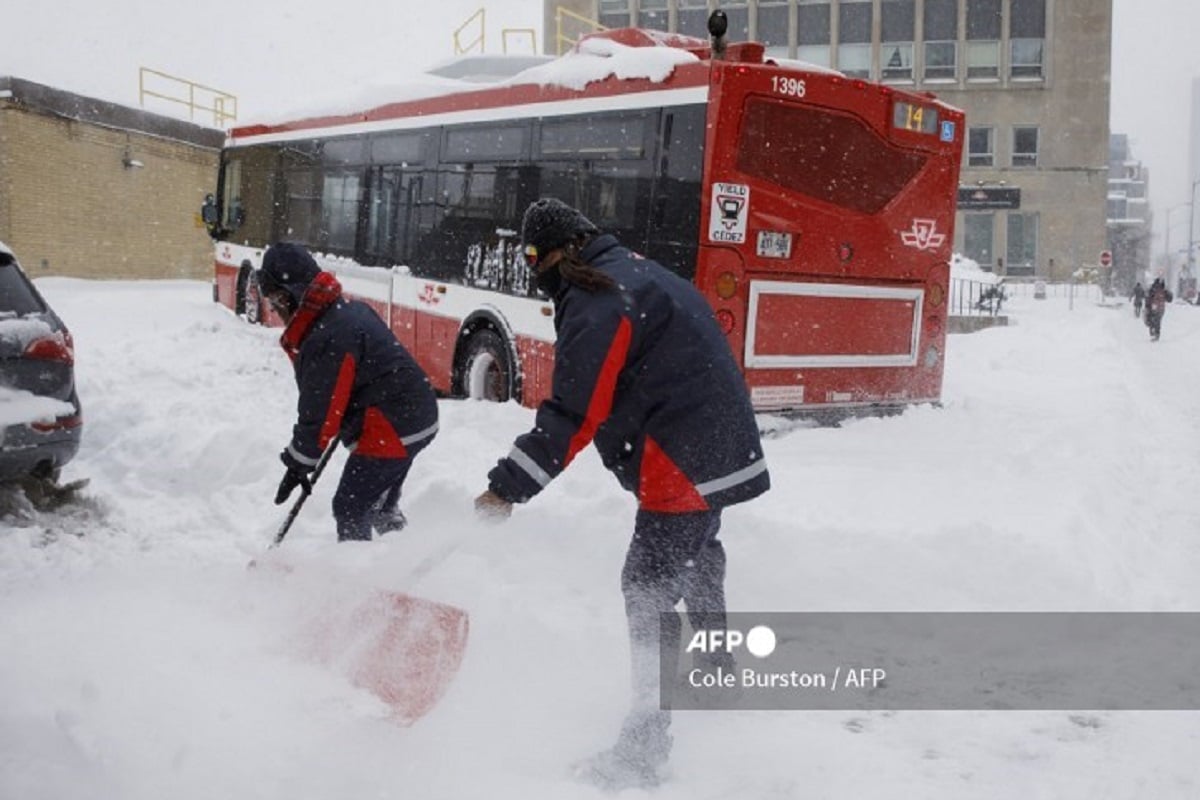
{"x":815,"y":212}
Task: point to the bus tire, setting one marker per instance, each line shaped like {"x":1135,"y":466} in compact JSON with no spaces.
{"x":249,"y":299}
{"x":487,"y":369}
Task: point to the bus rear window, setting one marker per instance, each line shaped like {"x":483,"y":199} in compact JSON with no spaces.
{"x":822,"y":154}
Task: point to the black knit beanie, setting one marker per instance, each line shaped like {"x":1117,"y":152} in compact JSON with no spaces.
{"x":550,"y":224}
{"x":288,"y":266}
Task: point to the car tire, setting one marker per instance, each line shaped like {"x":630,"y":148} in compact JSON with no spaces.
{"x":488,"y":372}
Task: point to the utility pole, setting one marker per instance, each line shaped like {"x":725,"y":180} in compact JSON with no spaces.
{"x":1189,"y":267}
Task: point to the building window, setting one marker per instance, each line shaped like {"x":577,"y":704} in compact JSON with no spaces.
{"x":773,"y":27}
{"x":1022,"y":243}
{"x":941,"y":40}
{"x":738,"y":14}
{"x":1027,"y":35}
{"x":653,"y":14}
{"x":812,"y":32}
{"x":897,"y":18}
{"x":614,"y":13}
{"x":977,"y":238}
{"x":692,"y":18}
{"x":983,"y":39}
{"x":981,"y":151}
{"x":854,"y":39}
{"x":1116,"y":206}
{"x":1025,"y":147}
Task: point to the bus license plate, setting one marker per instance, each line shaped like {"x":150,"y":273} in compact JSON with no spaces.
{"x":774,"y":244}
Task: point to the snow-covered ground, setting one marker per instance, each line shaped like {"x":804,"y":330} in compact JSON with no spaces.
{"x":140,"y":659}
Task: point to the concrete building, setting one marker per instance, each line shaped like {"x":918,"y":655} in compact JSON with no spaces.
{"x":98,"y":190}
{"x":1129,"y":217}
{"x":1032,"y":76}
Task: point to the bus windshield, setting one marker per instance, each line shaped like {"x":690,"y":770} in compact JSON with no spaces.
{"x":823,"y":154}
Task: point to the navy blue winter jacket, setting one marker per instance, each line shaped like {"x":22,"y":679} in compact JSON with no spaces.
{"x":356,"y":380}
{"x":646,"y":372}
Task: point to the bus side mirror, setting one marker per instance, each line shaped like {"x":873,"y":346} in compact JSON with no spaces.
{"x":211,"y":215}
{"x":209,"y":212}
{"x":718,"y":25}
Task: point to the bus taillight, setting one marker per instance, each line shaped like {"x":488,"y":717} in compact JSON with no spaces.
{"x":726,"y":285}
{"x":936,"y":295}
{"x":725,"y":320}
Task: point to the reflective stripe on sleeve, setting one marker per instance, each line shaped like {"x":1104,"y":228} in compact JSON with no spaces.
{"x":419,"y":436}
{"x":539,"y":475}
{"x":301,"y":458}
{"x":732,"y":479}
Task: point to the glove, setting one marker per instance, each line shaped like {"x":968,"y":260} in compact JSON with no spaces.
{"x":292,"y":479}
{"x":296,"y":475}
{"x":490,"y":505}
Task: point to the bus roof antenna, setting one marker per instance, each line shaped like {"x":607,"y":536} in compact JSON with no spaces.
{"x":718,"y":24}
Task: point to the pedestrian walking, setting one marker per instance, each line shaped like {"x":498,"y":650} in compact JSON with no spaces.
{"x":1157,"y":297}
{"x":1138,"y":296}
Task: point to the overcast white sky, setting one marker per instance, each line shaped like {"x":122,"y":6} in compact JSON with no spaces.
{"x":278,"y":55}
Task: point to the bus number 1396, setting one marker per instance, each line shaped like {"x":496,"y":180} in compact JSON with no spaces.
{"x":792,"y":87}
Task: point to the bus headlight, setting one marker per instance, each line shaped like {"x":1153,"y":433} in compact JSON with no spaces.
{"x":932,"y":356}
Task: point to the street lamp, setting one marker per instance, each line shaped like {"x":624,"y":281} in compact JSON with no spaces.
{"x":1191,"y":225}
{"x":1167,"y":243}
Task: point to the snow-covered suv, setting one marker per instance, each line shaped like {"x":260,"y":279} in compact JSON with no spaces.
{"x":40,"y":419}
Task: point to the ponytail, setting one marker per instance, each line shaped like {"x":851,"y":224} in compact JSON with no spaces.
{"x":574,"y":269}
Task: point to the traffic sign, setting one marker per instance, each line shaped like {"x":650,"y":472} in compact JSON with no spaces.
{"x":1106,"y":258}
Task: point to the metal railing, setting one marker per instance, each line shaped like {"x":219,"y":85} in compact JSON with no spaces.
{"x":1032,"y":287}
{"x":480,"y":40}
{"x":194,"y":96}
{"x":970,"y":298}
{"x":479,"y":43}
{"x":505,"y":33}
{"x":562,"y":17}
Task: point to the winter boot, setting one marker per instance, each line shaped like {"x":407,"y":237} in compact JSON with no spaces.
{"x":634,"y":762}
{"x":389,"y":521}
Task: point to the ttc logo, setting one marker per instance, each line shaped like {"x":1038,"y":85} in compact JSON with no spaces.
{"x":923,"y":235}
{"x":759,"y":641}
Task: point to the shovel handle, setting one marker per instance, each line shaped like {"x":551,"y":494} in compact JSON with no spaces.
{"x":305,"y":491}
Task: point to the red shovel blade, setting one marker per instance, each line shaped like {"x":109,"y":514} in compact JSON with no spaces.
{"x":403,"y":649}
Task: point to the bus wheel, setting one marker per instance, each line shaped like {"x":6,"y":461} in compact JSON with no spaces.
{"x":249,"y":305}
{"x":487,"y":368}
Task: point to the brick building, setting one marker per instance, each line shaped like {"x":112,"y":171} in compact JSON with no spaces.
{"x":92,"y":189}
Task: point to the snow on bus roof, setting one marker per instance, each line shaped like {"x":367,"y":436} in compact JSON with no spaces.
{"x":595,"y":58}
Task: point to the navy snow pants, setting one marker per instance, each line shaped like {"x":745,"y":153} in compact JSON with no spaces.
{"x":672,"y":557}
{"x":369,"y":493}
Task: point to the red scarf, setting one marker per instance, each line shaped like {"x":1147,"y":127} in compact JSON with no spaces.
{"x":322,"y":293}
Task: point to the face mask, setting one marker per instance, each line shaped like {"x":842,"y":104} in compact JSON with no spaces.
{"x":549,"y":281}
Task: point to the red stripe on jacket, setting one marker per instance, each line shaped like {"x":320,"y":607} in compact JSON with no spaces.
{"x":600,"y":405}
{"x":663,"y":487}
{"x":337,"y":402}
{"x":379,"y":439}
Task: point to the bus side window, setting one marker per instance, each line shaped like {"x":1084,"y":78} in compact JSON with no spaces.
{"x":675,"y":219}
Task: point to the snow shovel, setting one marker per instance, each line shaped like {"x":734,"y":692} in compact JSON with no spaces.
{"x":305,"y":491}
{"x":403,"y":649}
